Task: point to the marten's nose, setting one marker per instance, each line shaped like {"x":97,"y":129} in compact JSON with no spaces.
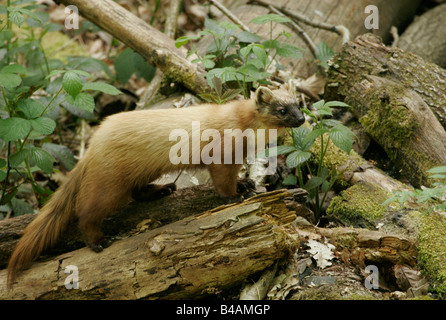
{"x":299,"y":118}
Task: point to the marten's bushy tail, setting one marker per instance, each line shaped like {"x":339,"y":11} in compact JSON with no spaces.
{"x":47,"y":226}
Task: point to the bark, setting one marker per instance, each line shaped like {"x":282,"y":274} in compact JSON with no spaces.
{"x":362,"y":247}
{"x":390,"y":92}
{"x":368,"y":56}
{"x":348,"y":13}
{"x":154,"y":213}
{"x":134,"y":217}
{"x":426,"y":36}
{"x":401,"y":122}
{"x":156,"y":47}
{"x":189,"y":258}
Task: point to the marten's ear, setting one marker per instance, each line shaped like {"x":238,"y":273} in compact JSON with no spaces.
{"x":264,"y":97}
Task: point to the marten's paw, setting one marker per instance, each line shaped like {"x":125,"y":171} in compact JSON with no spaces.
{"x":101,"y":245}
{"x":245,"y":185}
{"x":168,"y":189}
{"x":152,"y":192}
{"x":233,"y":199}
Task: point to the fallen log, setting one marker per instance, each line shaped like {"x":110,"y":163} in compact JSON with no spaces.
{"x":367,"y":55}
{"x":426,"y":35}
{"x":390,"y":92}
{"x":189,"y":258}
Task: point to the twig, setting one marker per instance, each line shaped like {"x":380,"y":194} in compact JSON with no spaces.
{"x":297,"y":29}
{"x":229,"y":14}
{"x":340,"y":29}
{"x":396,"y":37}
{"x":307,"y":92}
{"x":82,"y":141}
{"x":170,"y":29}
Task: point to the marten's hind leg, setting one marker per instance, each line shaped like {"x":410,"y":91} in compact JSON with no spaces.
{"x":93,"y":209}
{"x":152,"y":191}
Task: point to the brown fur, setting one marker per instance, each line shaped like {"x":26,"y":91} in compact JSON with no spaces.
{"x":128,"y":151}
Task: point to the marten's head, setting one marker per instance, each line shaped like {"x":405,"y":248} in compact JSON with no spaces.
{"x":278,"y":109}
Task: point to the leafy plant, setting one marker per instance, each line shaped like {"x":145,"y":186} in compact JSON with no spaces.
{"x":129,"y":62}
{"x":241,"y":57}
{"x":32,"y":88}
{"x":217,"y":95}
{"x":431,"y":199}
{"x":321,"y":179}
{"x":323,"y":54}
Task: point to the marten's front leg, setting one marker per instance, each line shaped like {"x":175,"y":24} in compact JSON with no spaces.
{"x":152,"y":192}
{"x":224,"y":177}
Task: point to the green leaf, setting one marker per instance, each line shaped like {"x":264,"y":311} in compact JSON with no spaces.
{"x":17,"y":158}
{"x":336,"y":104}
{"x":142,"y":68}
{"x":41,"y":159}
{"x":289,"y":51}
{"x":325,"y":111}
{"x":31,"y":108}
{"x":16,"y":17}
{"x":271,"y":44}
{"x":275,"y":151}
{"x":290,"y":180}
{"x":62,"y":153}
{"x":323,"y":53}
{"x":43,"y":125}
{"x":181,"y":41}
{"x":319,"y":104}
{"x":72,"y":83}
{"x":325,"y":186}
{"x":229,"y":26}
{"x":341,"y":138}
{"x":313,"y":135}
{"x":13,"y":68}
{"x":10,"y":80}
{"x":20,"y":207}
{"x":54,"y":73}
{"x":297,"y":158}
{"x":31,"y":14}
{"x":124,"y":65}
{"x":14,"y":128}
{"x":440,"y":169}
{"x":314,"y":182}
{"x":270,"y":18}
{"x":299,"y":135}
{"x":102,"y":87}
{"x":224,"y":74}
{"x":252,"y":71}
{"x":260,"y":53}
{"x":84,"y":101}
{"x":248,"y":37}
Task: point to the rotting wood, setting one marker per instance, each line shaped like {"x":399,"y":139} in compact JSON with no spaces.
{"x":185,"y":259}
{"x":367,"y":55}
{"x":401,"y":122}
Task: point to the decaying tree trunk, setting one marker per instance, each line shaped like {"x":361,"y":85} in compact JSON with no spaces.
{"x":426,"y":36}
{"x":188,"y":258}
{"x":368,"y":56}
{"x":136,"y":216}
{"x":390,"y":92}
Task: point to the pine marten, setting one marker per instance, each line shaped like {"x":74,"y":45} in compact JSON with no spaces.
{"x":130,"y":150}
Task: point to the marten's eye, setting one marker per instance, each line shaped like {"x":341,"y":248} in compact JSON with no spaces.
{"x":282,"y":112}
